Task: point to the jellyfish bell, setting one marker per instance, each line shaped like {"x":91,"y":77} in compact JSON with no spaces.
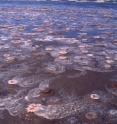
{"x":62,"y":57}
{"x":49,"y":48}
{"x":44,"y":85}
{"x":63,"y":52}
{"x":33,"y":94}
{"x":95,"y":96}
{"x":107,"y":66}
{"x":4,"y":38}
{"x":32,"y":108}
{"x":91,"y":115}
{"x":113,"y":112}
{"x":55,"y":68}
{"x":13,"y":81}
{"x":26,"y":98}
{"x":109,"y":61}
{"x":37,"y":95}
{"x":112,"y":115}
{"x":45,"y":89}
{"x":90,"y":55}
{"x":49,"y":38}
{"x":6,"y":55}
{"x":9,"y":59}
{"x":16,"y":41}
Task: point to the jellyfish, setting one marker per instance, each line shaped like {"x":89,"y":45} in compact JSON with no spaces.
{"x":101,"y":96}
{"x":112,"y":115}
{"x":33,"y":94}
{"x":63,"y":51}
{"x":49,"y":48}
{"x":42,"y":91}
{"x":91,"y":115}
{"x":13,"y":81}
{"x":32,"y":107}
{"x":44,"y":85}
{"x":55,"y":68}
{"x":113,"y":112}
{"x":95,"y":96}
{"x":24,"y":81}
{"x":9,"y":59}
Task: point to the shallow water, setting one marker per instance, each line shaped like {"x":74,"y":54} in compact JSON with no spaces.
{"x":58,"y":63}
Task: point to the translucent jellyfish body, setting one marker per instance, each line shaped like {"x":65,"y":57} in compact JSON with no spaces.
{"x":2,"y":103}
{"x":49,"y":48}
{"x":42,"y":91}
{"x":95,"y":96}
{"x":113,"y":112}
{"x":33,"y":94}
{"x":112,"y":115}
{"x":24,"y":81}
{"x":59,"y":51}
{"x":4,"y":38}
{"x":13,"y":81}
{"x":49,"y":38}
{"x":9,"y":59}
{"x":55,"y":68}
{"x":44,"y":87}
{"x":101,"y":96}
{"x":91,"y":115}
{"x":32,"y":107}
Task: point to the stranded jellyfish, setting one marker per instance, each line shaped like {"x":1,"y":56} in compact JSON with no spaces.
{"x":49,"y":48}
{"x":112,"y":116}
{"x":33,"y":94}
{"x":112,"y":88}
{"x":101,"y":96}
{"x":95,"y":96}
{"x":112,"y":112}
{"x":42,"y":91}
{"x":55,"y":68}
{"x":13,"y":81}
{"x":63,"y":51}
{"x":62,"y":57}
{"x":59,"y":52}
{"x":25,"y":81}
{"x":16,"y":41}
{"x":91,"y":115}
{"x":44,"y":88}
{"x":8,"y":58}
{"x":32,"y":107}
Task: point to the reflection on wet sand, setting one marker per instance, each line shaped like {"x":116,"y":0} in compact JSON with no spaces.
{"x":58,"y":63}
